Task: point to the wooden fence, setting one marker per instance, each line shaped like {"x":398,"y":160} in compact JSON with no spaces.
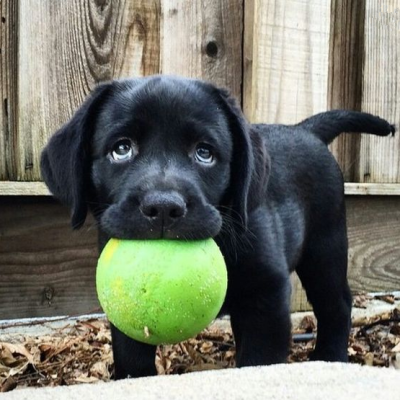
{"x":283,"y":59}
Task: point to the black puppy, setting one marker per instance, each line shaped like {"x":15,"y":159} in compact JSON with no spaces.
{"x":165,"y":157}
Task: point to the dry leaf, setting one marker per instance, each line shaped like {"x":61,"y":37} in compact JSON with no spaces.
{"x":100,"y":370}
{"x":86,"y":379}
{"x":308,"y":324}
{"x":395,"y":361}
{"x":389,"y":298}
{"x":81,"y":351}
{"x":369,"y":359}
{"x":17,"y":349}
{"x":396,"y":349}
{"x":351,"y":351}
{"x":8,"y":384}
{"x":361,"y":300}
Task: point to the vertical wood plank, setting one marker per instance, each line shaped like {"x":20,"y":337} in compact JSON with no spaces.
{"x":285,"y":76}
{"x":203,"y":39}
{"x":380,"y":157}
{"x":249,"y":33}
{"x":299,"y":298}
{"x":8,"y":87}
{"x":346,"y":51}
{"x":66,"y":47}
{"x":138,"y":48}
{"x":286,"y":54}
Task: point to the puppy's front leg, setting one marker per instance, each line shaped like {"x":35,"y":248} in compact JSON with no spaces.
{"x":132,"y":359}
{"x":261,"y":326}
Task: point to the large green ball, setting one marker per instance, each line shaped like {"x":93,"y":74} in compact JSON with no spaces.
{"x":161,"y":291}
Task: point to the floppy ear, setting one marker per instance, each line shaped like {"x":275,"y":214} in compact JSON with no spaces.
{"x":65,"y":161}
{"x":242,"y":161}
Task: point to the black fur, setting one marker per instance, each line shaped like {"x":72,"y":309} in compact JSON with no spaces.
{"x":328,"y":125}
{"x":272,"y":197}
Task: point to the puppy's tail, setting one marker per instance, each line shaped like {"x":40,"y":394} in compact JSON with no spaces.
{"x":328,"y":125}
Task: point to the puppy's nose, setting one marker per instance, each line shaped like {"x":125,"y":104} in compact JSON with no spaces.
{"x":163,"y":207}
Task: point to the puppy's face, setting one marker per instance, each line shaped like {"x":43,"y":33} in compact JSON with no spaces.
{"x":152,"y":158}
{"x":161,"y":154}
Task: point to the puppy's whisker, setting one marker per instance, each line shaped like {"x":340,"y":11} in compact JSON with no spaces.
{"x":241,"y":241}
{"x":233,"y":221}
{"x":88,"y":226}
{"x":237,"y":242}
{"x":93,"y":225}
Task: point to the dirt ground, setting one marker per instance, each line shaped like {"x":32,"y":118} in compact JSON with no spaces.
{"x":80,"y":352}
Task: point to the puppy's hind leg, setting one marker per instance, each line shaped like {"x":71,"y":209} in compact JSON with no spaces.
{"x":322,"y":272}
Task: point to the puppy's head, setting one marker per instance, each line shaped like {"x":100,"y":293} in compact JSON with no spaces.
{"x":153,"y":157}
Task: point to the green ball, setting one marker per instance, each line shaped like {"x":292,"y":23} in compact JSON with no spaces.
{"x":161,"y":291}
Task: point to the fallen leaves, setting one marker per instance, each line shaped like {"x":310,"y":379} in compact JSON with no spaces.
{"x":377,"y":341}
{"x":211,"y":349}
{"x":75,"y":354}
{"x":82,"y":353}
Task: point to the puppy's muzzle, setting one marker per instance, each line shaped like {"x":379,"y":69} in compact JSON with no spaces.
{"x":163,"y":209}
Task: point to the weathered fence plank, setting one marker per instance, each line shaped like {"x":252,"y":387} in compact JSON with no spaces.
{"x":373,"y":224}
{"x":67,"y":47}
{"x":76,"y":44}
{"x":286,"y":53}
{"x":12,"y":188}
{"x":380,"y":157}
{"x":374,"y":237}
{"x":346,"y":51}
{"x":8,"y":87}
{"x":203,"y":39}
{"x":46,"y":269}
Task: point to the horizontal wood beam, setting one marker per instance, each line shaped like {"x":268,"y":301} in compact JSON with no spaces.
{"x":9,"y":188}
{"x":377,"y":189}
{"x":47,"y":269}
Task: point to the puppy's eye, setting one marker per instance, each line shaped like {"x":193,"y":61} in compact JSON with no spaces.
{"x":122,"y":150}
{"x":204,"y":153}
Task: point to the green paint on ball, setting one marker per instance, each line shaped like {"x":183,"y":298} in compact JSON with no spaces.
{"x":161,"y":291}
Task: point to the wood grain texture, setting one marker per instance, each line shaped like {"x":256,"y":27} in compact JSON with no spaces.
{"x":373,"y":225}
{"x":66,"y":48}
{"x":377,"y":189}
{"x":8,"y":87}
{"x":380,"y":157}
{"x":346,"y":51}
{"x":12,"y":188}
{"x":286,"y":55}
{"x":45,"y":268}
{"x":374,"y":240}
{"x":299,"y":298}
{"x":249,"y":33}
{"x":203,"y":39}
